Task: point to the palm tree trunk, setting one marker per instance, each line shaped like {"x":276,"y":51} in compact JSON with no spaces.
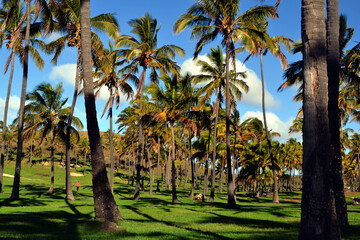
{"x":84,"y":163}
{"x":31,"y":152}
{"x":16,"y":185}
{"x":221,"y":178}
{"x":150,"y":171}
{"x":275,"y":189}
{"x":52,"y":177}
{"x":3,"y":141}
{"x":133,"y":162}
{"x":212,"y":193}
{"x":69,"y":192}
{"x":206,"y":170}
{"x":318,"y":213}
{"x":158,"y":168}
{"x":230,"y":187}
{"x":104,"y":202}
{"x":191,"y":195}
{"x":333,"y":67}
{"x":112,"y":162}
{"x":141,"y":143}
{"x":173,"y":170}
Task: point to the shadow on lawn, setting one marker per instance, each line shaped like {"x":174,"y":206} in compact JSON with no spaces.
{"x":172,"y":224}
{"x":45,"y":225}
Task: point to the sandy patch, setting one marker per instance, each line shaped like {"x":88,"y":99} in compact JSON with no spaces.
{"x":76,"y":174}
{"x":8,"y":175}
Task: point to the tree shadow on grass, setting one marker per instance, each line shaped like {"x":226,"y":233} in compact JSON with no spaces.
{"x":45,"y":225}
{"x":172,"y":224}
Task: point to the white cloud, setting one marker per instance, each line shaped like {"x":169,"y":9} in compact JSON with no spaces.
{"x":275,"y":124}
{"x":14,"y":104}
{"x":253,"y":97}
{"x":65,"y":72}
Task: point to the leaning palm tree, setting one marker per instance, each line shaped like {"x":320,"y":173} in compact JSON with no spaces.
{"x":109,"y":77}
{"x":12,"y":33}
{"x":208,"y":19}
{"x":104,"y":202}
{"x":68,"y":22}
{"x":142,"y":53}
{"x":214,"y":75}
{"x":45,"y":112}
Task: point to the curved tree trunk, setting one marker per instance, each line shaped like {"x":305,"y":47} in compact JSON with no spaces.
{"x":275,"y":188}
{"x":333,"y":66}
{"x":69,"y":192}
{"x":104,"y":202}
{"x":318,"y":213}
{"x":230,"y":188}
{"x":173,"y":170}
{"x":16,"y":185}
{"x":3,"y":142}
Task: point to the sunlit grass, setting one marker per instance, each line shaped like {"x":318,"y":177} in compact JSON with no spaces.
{"x":41,"y":216}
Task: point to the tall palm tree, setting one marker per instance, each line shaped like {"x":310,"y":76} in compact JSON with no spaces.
{"x":214,"y":75}
{"x":104,"y":202}
{"x":12,"y":33}
{"x":318,"y":213}
{"x":16,"y":184}
{"x":208,"y":19}
{"x":69,"y":23}
{"x":107,"y":73}
{"x":45,"y":112}
{"x":143,"y":53}
{"x":345,"y":99}
{"x":260,"y":46}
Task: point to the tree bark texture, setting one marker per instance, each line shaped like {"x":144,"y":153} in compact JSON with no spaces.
{"x":333,"y":66}
{"x":318,"y":213}
{"x":104,"y":202}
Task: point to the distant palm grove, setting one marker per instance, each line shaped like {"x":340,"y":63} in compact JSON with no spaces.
{"x":183,"y":132}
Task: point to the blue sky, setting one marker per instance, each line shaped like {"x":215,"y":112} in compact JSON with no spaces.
{"x":281,"y":110}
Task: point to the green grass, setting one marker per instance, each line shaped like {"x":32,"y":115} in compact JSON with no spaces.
{"x":41,"y":216}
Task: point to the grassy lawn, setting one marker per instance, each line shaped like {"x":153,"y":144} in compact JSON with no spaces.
{"x":40,"y":216}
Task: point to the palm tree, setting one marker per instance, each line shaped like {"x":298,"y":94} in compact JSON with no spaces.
{"x":214,"y":75}
{"x":104,"y":202}
{"x":69,"y":22}
{"x":208,"y":19}
{"x":345,"y":98}
{"x":45,"y":112}
{"x":317,"y":205}
{"x":12,"y":34}
{"x":168,"y":105}
{"x":260,"y":46}
{"x":16,"y":185}
{"x":106,"y":71}
{"x":144,"y":53}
